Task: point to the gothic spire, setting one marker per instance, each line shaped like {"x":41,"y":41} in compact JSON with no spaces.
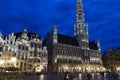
{"x":79,"y":12}
{"x":79,"y":0}
{"x":80,"y":22}
{"x":80,"y":28}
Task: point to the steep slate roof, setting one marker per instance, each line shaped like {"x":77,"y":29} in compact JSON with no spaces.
{"x":67,"y":40}
{"x":72,"y":41}
{"x":93,"y":45}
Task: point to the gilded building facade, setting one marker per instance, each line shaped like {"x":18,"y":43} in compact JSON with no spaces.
{"x":24,"y":51}
{"x":111,"y":60}
{"x":73,"y":54}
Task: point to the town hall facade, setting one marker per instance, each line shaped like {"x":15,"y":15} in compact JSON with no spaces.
{"x":73,"y":54}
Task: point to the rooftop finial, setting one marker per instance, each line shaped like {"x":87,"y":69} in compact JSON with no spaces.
{"x":79,"y":0}
{"x":55,"y":27}
{"x":0,"y":34}
{"x":25,"y":30}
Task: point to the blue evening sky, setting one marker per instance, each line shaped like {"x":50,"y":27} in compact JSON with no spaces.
{"x":103,"y":17}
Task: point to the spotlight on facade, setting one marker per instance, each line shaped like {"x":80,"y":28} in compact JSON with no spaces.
{"x":13,"y":59}
{"x":66,"y":68}
{"x":118,"y":68}
{"x":38,"y":68}
{"x":42,"y":67}
{"x":1,"y":62}
{"x":87,"y":69}
{"x":104,"y":69}
{"x":98,"y":69}
{"x":41,"y":77}
{"x":92,"y":69}
{"x":79,"y":68}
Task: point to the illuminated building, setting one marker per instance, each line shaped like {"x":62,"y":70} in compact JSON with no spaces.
{"x":73,"y":54}
{"x":111,"y":60}
{"x":24,"y":51}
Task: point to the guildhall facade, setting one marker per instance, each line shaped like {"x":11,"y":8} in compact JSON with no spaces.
{"x":23,"y":51}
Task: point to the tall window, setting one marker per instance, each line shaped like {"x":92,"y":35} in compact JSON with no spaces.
{"x":11,"y":42}
{"x":6,"y":48}
{"x":40,"y":46}
{"x":23,"y":47}
{"x":19,"y":46}
{"x":31,"y":44}
{"x":1,"y":49}
{"x":35,"y":45}
{"x":26,"y":48}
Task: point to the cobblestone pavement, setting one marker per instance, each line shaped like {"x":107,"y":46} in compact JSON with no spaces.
{"x":90,"y":76}
{"x":87,"y":76}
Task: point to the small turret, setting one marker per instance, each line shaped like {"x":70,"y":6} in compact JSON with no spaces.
{"x":25,"y":30}
{"x":98,"y":44}
{"x":86,"y":28}
{"x":1,"y":35}
{"x":55,"y":31}
{"x":81,"y":28}
{"x":24,"y":34}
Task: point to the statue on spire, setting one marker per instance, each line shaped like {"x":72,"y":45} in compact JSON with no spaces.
{"x":79,"y":0}
{"x":25,"y":30}
{"x":24,"y":34}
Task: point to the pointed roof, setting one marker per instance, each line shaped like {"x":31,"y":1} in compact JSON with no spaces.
{"x":79,"y":0}
{"x":25,"y":30}
{"x":79,"y":4}
{"x":1,"y":34}
{"x":79,"y":8}
{"x":64,"y":39}
{"x":55,"y":27}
